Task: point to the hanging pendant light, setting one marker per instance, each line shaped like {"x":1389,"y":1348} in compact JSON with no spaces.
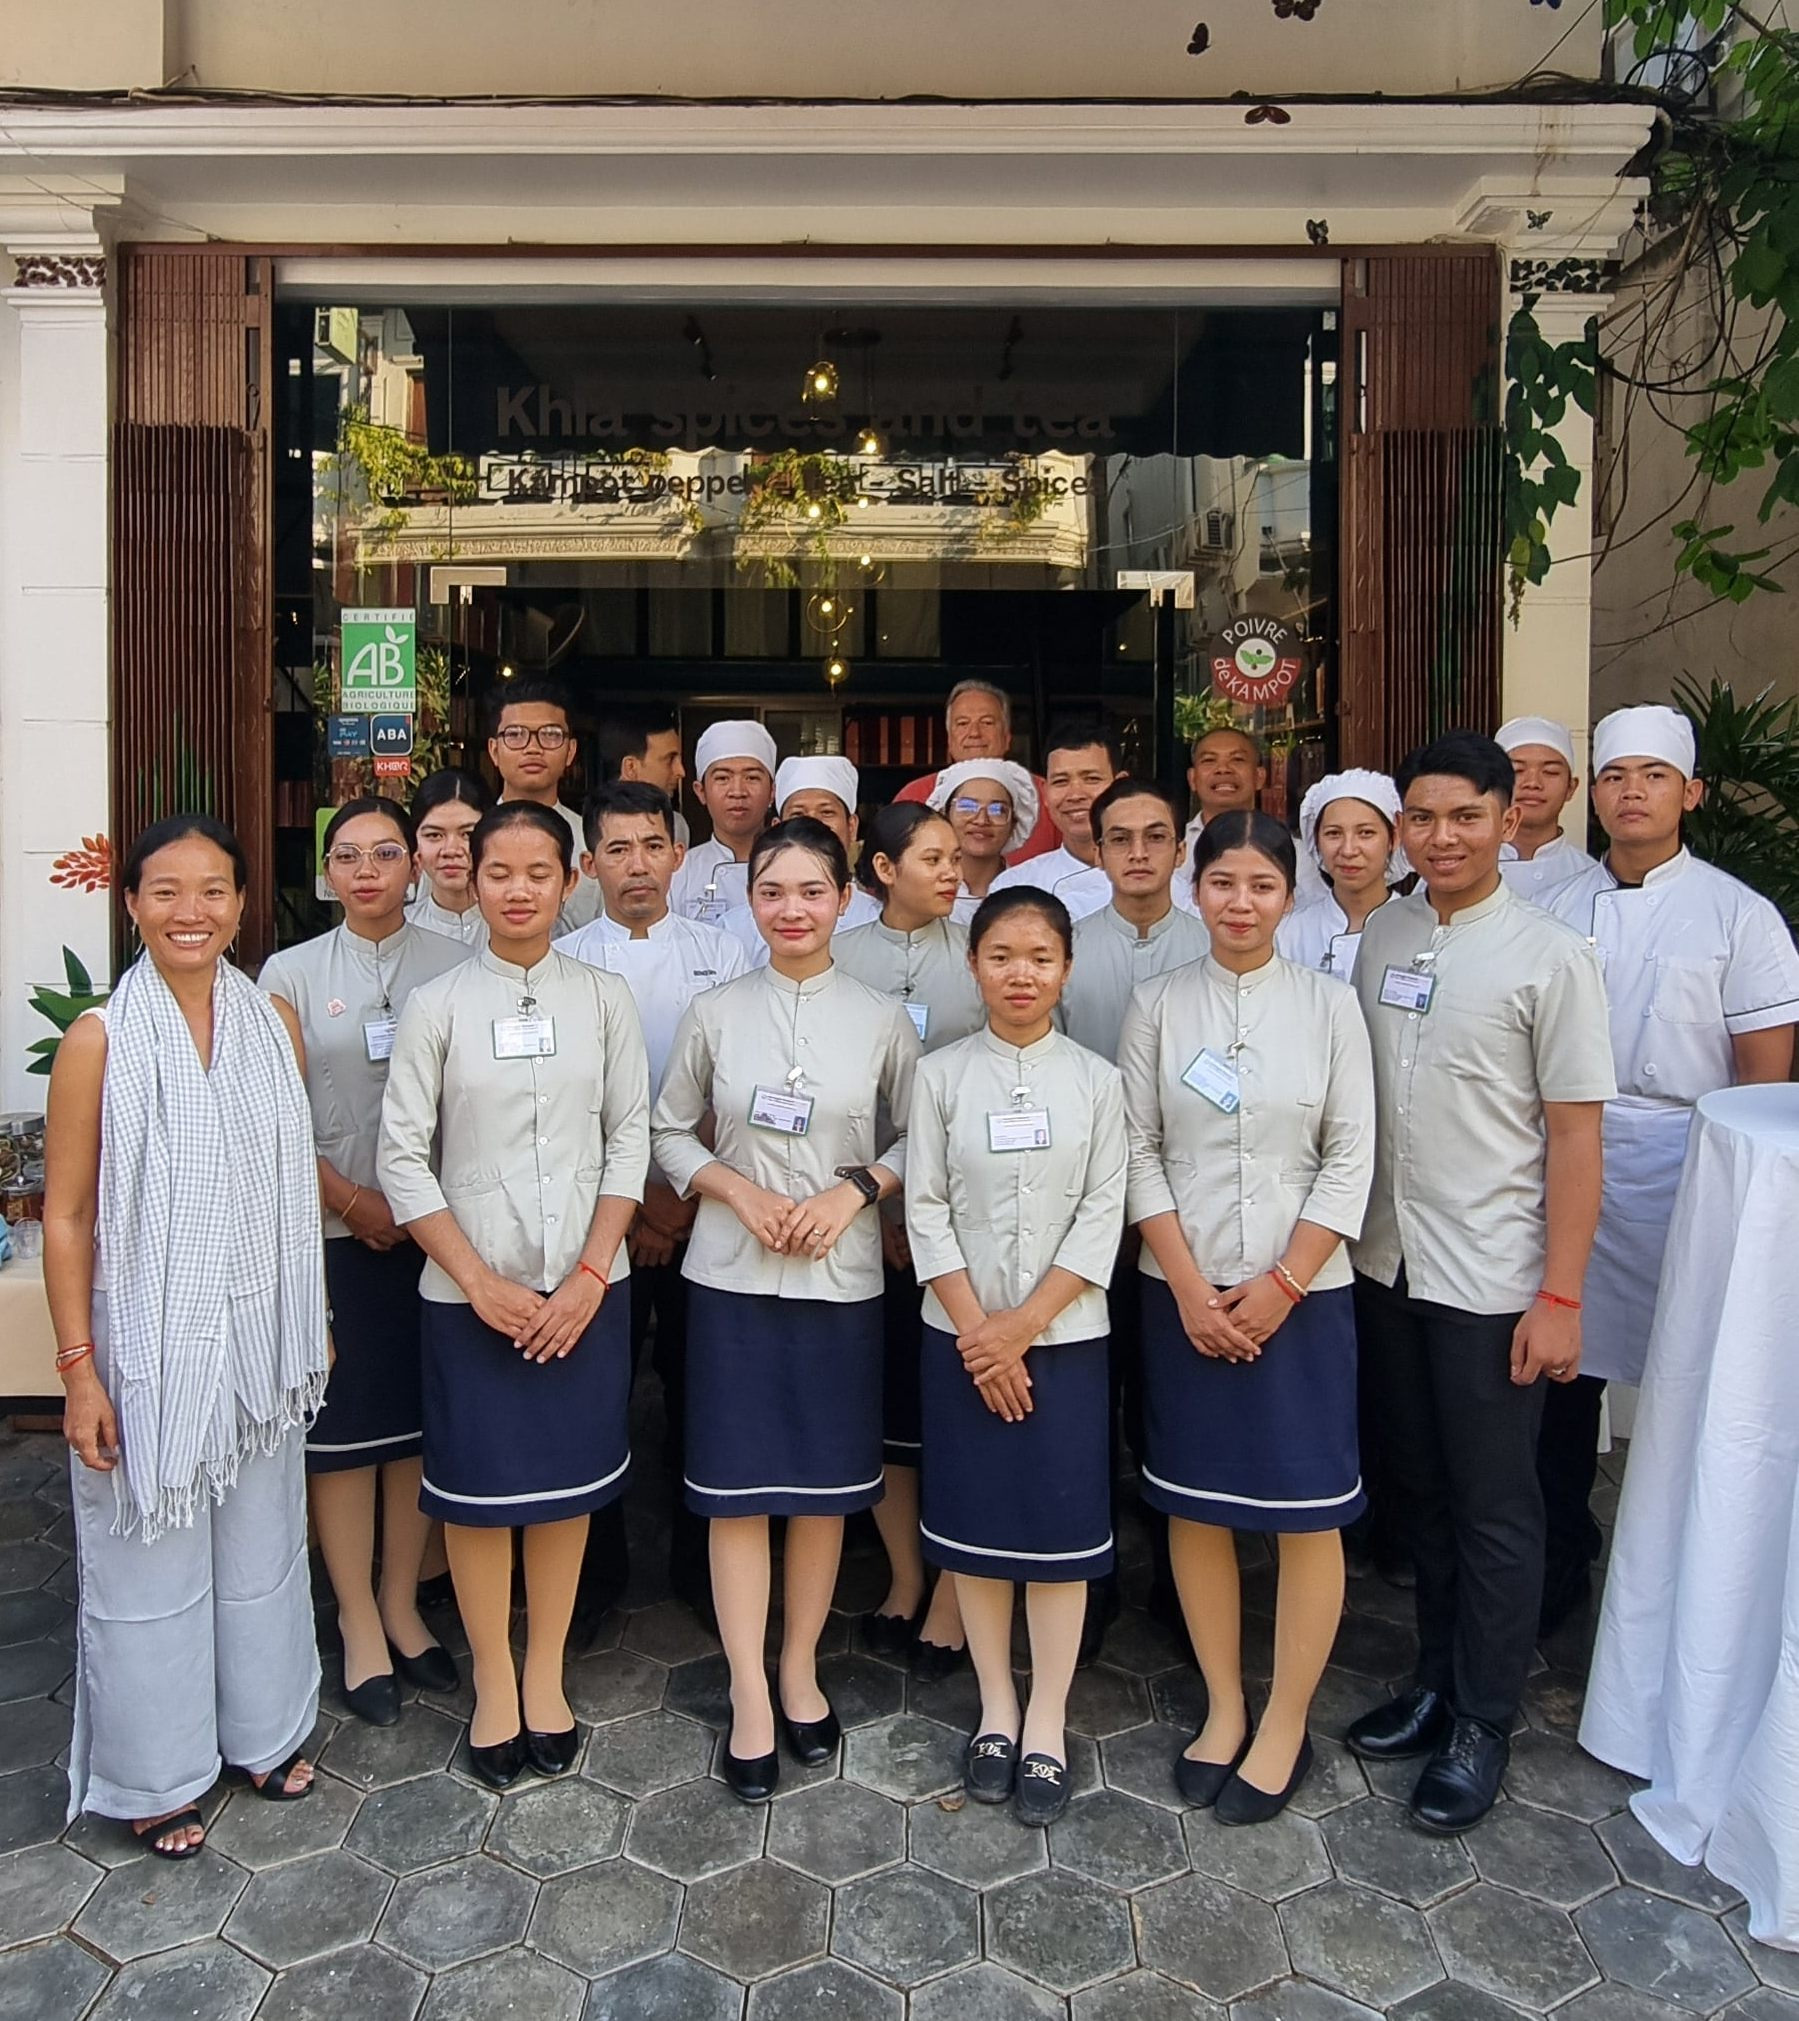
{"x":837,"y":671}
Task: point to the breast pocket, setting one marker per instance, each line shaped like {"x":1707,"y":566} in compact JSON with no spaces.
{"x":1473,"y":1041}
{"x":1688,"y":991}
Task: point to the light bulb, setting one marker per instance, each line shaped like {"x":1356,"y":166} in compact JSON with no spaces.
{"x":815,"y":511}
{"x":868,"y":443}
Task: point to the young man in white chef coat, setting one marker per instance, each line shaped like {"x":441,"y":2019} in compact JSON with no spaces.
{"x":734,"y":780}
{"x":1703,"y":982}
{"x":1079,"y":763}
{"x":823,"y":789}
{"x":1540,"y":859}
{"x":665,"y":961}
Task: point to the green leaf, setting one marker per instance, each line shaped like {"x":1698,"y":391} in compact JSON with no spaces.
{"x":80,"y":982}
{"x":38,"y":1067}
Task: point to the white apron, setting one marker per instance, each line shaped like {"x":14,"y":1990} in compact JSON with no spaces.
{"x":1645,"y":1147}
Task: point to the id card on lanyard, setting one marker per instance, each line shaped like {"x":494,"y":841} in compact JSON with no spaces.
{"x":524,"y":1038}
{"x":1019,"y":1128}
{"x":1410,"y":989}
{"x":785,"y":1109}
{"x":920,"y":1014}
{"x":1214,"y":1080}
{"x":378,"y":1036}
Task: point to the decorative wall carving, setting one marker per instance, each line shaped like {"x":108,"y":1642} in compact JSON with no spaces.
{"x":60,"y":270}
{"x":1567,"y":276}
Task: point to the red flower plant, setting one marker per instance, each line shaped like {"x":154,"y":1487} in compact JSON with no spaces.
{"x":88,"y":868}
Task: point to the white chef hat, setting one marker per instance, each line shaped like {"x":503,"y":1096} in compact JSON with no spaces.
{"x":1537,"y":730}
{"x":1373,"y":788}
{"x":733,"y":740}
{"x":1650,"y":731}
{"x":1014,"y":778}
{"x":818,"y":775}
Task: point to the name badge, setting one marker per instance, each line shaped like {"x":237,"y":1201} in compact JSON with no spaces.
{"x":778,"y":1109}
{"x":524,"y":1038}
{"x":1340,"y":959}
{"x":920,"y":1014}
{"x":378,"y":1037}
{"x":1407,"y":989}
{"x":1214,"y":1080}
{"x":710,"y":910}
{"x":1018,"y":1130}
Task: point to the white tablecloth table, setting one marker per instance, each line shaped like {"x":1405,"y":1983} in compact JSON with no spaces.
{"x":1695,"y":1678}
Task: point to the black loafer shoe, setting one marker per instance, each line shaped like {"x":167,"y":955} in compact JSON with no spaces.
{"x":931,"y":1662}
{"x":989,"y":1767}
{"x":501,"y":1765}
{"x":1200,"y":1781}
{"x":754,"y":1780}
{"x":375,"y":1699}
{"x":1416,"y":1722}
{"x":1041,"y":1793}
{"x":1242,"y":1803}
{"x":552,"y":1753}
{"x":1461,"y":1781}
{"x":432,"y":1669}
{"x":891,"y":1634}
{"x":811,"y":1741}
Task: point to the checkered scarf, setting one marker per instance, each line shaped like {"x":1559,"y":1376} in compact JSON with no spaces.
{"x":209,"y":1229}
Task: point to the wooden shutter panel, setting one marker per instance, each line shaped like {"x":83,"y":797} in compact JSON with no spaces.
{"x":1422,"y":536}
{"x":192,"y":611}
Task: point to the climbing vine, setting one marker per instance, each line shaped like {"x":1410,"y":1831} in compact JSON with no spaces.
{"x":1541,"y":379}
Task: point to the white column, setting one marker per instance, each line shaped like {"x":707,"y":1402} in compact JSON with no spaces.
{"x":54,"y":645}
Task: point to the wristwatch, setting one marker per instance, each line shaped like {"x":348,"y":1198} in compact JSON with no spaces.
{"x":863,"y":1180}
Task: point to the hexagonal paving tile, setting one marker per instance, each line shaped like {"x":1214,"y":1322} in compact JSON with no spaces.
{"x":1336,"y":1779}
{"x":1624,"y":2003}
{"x":1511,"y":1947}
{"x":304,"y":1908}
{"x":1663,"y":1948}
{"x":1538,"y":1853}
{"x":606,"y":1917}
{"x":1450,"y":2000}
{"x":1144,"y":1996}
{"x":259,"y":1834}
{"x":837,"y":1832}
{"x":649,"y":1751}
{"x":697,"y":1829}
{"x":33,"y":1805}
{"x":511,"y":1984}
{"x":1141,"y":1646}
{"x":370,"y":1757}
{"x":906,"y":1925}
{"x":364,"y":1980}
{"x":421,"y":1823}
{"x":24,"y":1617}
{"x":985,"y":1993}
{"x":1360,"y":1943}
{"x":1059,"y":1930}
{"x":701,"y":1690}
{"x":33,"y":1670}
{"x":1553,"y":1700}
{"x":1271,"y":1862}
{"x":1119,"y":1841}
{"x":979,"y":1844}
{"x":129,"y":1916}
{"x":860,"y":1689}
{"x":1373,"y":1648}
{"x":201,"y":1982}
{"x":56,"y":1981}
{"x":907,"y":1758}
{"x":1556,"y":1775}
{"x":755,"y":1920}
{"x":42,"y":1890}
{"x":23,"y":1566}
{"x":451,"y":1914}
{"x":954,"y":1700}
{"x":32,"y":1732}
{"x":829,"y":1990}
{"x":1300,"y":2000}
{"x":1210,"y":1937}
{"x":1772,"y":1967}
{"x":1644,"y":1863}
{"x":669,"y":1988}
{"x":669,"y":1632}
{"x":558,"y":1827}
{"x":1376,"y":1843}
{"x":613,"y":1685}
{"x":1103,"y":1701}
{"x":1141,"y":1762}
{"x":1764,"y":2004}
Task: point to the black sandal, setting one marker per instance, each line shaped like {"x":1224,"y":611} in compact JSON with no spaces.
{"x":273,"y":1787}
{"x":183,"y":1820}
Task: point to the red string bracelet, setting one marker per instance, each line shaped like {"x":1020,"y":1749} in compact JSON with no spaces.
{"x":595,"y":1275}
{"x":1293,"y":1297}
{"x":1555,"y":1298}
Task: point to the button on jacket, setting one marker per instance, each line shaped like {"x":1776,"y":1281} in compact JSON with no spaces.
{"x":1544,"y":874}
{"x":1111,"y":959}
{"x":1300,"y":1144}
{"x":526,"y":1147}
{"x":1518,"y":1018}
{"x":855,"y":1050}
{"x":1082,"y":887}
{"x":1008,"y":1217}
{"x":928,"y":966}
{"x":467,"y":927}
{"x":337,"y":984}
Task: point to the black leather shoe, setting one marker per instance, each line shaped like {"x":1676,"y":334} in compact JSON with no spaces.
{"x":1102,"y":1611}
{"x":754,"y":1780}
{"x":501,"y":1765}
{"x":892,"y":1634}
{"x":931,"y":1662}
{"x":811,"y":1741}
{"x":989,"y":1767}
{"x":1040,"y":1795}
{"x":1242,"y":1803}
{"x":432,"y":1669}
{"x":1416,"y":1722}
{"x":553,"y":1753}
{"x":375,"y":1699}
{"x":1461,"y":1780}
{"x":1200,"y":1781}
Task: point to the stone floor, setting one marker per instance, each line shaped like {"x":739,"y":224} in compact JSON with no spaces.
{"x":638,"y":1890}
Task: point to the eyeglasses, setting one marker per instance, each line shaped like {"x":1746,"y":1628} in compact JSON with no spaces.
{"x":995,"y":810}
{"x":520,"y":737}
{"x":345,"y":856}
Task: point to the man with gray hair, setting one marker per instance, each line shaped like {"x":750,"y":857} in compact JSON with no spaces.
{"x":978,"y":717}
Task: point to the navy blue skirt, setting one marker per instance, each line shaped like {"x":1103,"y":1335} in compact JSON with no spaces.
{"x":783,"y":1405}
{"x":1268,"y":1444}
{"x":372,"y":1411}
{"x":1030,"y":1501}
{"x":903,"y":1327}
{"x":510,"y":1442}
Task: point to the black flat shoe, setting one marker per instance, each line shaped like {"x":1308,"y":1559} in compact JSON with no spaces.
{"x":892,"y":1634}
{"x":375,"y":1699}
{"x":1461,"y":1781}
{"x":432,"y":1669}
{"x":438,"y":1591}
{"x":990,"y":1767}
{"x":754,"y":1780}
{"x":1041,"y":1793}
{"x":1200,"y":1781}
{"x":811,"y":1741}
{"x":932,"y":1662}
{"x":552,"y":1753}
{"x":1416,"y":1722}
{"x":1242,"y":1803}
{"x":501,"y":1765}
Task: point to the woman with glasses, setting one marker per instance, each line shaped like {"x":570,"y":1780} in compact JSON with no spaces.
{"x":444,"y":812}
{"x":992,"y":805}
{"x":347,"y":989}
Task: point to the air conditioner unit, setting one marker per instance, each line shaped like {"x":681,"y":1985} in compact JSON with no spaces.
{"x":1220,"y":532}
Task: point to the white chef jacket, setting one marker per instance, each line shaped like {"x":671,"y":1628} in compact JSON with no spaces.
{"x":1111,"y":959}
{"x":339,"y":985}
{"x":1298,"y":1147}
{"x":675,"y":961}
{"x":1318,"y":936}
{"x":1691,"y":958}
{"x":927,"y":967}
{"x":519,"y":1150}
{"x":1546,"y":872}
{"x":1009,"y":1217}
{"x":709,"y":883}
{"x":467,"y":927}
{"x":1082,"y":887}
{"x":855,"y":1051}
{"x":739,"y":924}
